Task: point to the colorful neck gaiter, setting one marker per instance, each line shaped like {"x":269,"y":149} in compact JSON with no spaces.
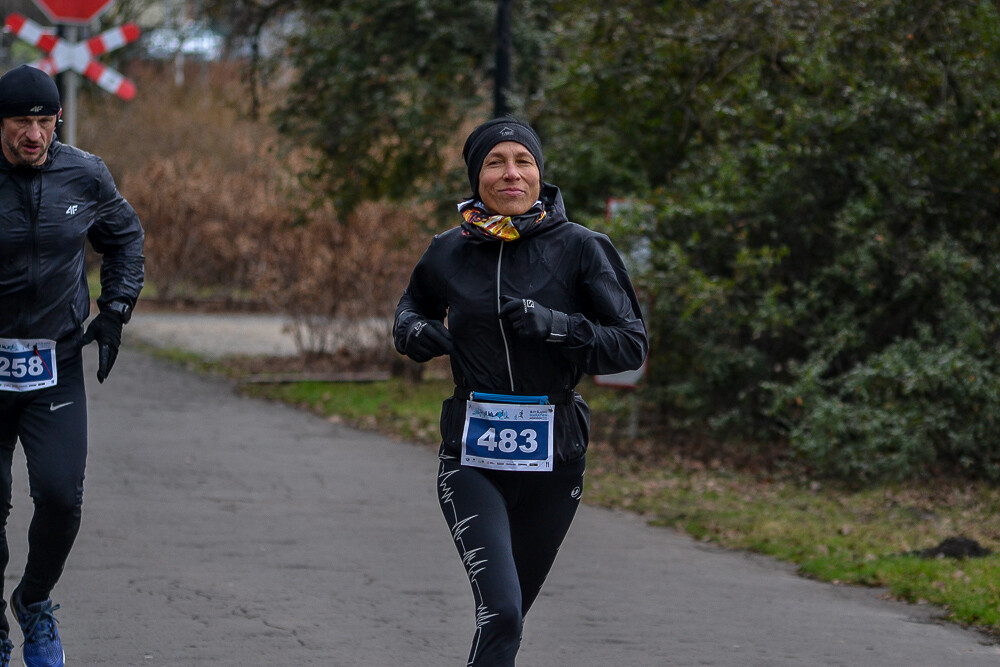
{"x":504,"y":227}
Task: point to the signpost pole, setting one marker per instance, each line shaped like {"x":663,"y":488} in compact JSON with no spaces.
{"x":70,"y":90}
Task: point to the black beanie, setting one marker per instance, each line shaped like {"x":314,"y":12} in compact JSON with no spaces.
{"x":28,"y":91}
{"x":489,"y":134}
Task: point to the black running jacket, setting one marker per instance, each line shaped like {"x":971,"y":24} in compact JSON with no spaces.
{"x":561,"y":265}
{"x":47,"y":214}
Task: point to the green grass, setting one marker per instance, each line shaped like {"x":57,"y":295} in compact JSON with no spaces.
{"x":833,"y":534}
{"x":94,"y":285}
{"x":189,"y":360}
{"x":394,"y":407}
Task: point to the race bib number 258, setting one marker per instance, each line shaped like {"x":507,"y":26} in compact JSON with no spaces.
{"x":27,"y":364}
{"x":508,"y":436}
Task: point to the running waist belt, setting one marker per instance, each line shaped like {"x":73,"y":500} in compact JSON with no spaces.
{"x":558,"y":398}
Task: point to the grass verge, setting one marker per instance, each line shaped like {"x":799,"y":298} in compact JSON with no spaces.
{"x":834,"y":534}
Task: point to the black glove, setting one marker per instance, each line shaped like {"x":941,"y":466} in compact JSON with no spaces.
{"x":106,"y":329}
{"x":531,"y":319}
{"x":426,"y":339}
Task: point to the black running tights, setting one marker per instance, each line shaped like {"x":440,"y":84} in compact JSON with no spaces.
{"x":508,"y":527}
{"x":51,"y":424}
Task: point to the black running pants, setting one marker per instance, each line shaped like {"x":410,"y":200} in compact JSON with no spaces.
{"x":51,"y":424}
{"x":508,"y":527}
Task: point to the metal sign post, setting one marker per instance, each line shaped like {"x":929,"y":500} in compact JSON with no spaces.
{"x":71,"y":86}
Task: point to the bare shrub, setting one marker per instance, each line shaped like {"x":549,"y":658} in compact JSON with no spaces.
{"x":340,"y":282}
{"x":203,"y":228}
{"x":226,"y":214}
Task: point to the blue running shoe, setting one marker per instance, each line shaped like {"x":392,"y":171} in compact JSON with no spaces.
{"x":6,"y":649}
{"x":42,"y":647}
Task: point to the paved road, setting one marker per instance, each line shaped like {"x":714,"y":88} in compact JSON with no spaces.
{"x":220,"y":530}
{"x":214,"y":335}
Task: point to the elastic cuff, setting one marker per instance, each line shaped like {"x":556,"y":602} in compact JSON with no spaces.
{"x":119,"y":319}
{"x":560,"y":327}
{"x":120,"y":308}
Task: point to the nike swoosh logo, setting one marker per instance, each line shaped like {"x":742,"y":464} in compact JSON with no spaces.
{"x":53,"y":407}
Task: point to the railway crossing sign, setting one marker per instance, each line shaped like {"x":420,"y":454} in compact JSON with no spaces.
{"x":80,"y":57}
{"x":73,"y":11}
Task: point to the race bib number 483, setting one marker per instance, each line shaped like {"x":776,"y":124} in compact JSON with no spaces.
{"x":508,"y":436}
{"x":27,"y":364}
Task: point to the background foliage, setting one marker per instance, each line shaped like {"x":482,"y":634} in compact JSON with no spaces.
{"x":823,"y":178}
{"x":825,"y":255}
{"x":815,"y":190}
{"x":379,"y":89}
{"x":229,"y":222}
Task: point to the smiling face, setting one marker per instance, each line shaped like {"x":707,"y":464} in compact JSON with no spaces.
{"x":509,"y":182}
{"x":26,"y":139}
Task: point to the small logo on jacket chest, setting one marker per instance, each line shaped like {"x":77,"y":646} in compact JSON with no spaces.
{"x":72,"y":209}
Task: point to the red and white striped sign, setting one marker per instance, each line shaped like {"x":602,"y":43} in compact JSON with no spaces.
{"x":78,"y":56}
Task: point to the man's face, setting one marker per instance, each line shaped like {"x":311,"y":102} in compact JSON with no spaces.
{"x":26,"y":139}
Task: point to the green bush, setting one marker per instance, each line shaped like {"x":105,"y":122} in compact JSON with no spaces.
{"x":906,"y":410}
{"x":820,"y":264}
{"x":824,"y":259}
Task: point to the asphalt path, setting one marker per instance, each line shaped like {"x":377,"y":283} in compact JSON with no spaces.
{"x":231,"y":531}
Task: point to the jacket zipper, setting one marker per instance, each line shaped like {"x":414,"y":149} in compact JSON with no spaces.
{"x":506,"y":346}
{"x":34,"y":268}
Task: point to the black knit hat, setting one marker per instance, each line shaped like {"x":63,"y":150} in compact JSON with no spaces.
{"x":28,"y":91}
{"x":482,"y":140}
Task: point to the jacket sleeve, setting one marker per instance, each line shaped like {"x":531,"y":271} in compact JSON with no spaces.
{"x":118,"y":236}
{"x":423,"y":298}
{"x":610,"y":335}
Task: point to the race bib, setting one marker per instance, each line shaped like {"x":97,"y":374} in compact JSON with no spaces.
{"x":508,"y":436}
{"x":26,"y":365}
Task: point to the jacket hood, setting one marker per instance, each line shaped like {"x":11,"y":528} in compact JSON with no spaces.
{"x":555,"y":207}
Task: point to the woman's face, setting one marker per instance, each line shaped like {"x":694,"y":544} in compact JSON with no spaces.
{"x":509,"y":182}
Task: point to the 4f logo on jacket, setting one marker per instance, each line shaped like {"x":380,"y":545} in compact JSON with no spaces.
{"x":72,"y":209}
